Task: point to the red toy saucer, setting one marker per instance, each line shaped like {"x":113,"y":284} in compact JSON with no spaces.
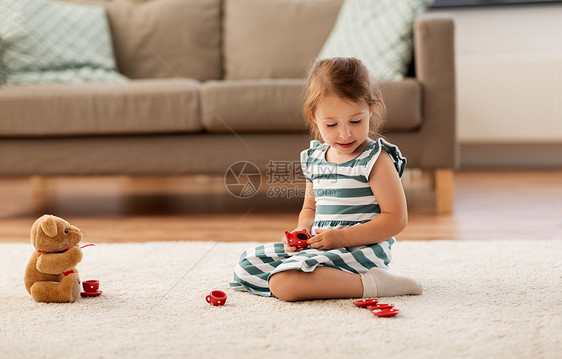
{"x":380,"y":306}
{"x":91,"y":294}
{"x":363,"y":303}
{"x":385,"y":313}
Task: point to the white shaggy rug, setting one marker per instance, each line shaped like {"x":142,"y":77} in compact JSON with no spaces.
{"x":498,"y":299}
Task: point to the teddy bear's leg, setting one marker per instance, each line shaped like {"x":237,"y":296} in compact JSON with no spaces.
{"x":65,"y":291}
{"x":46,"y":292}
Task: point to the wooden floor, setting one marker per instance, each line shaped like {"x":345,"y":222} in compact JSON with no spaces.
{"x":487,"y":205}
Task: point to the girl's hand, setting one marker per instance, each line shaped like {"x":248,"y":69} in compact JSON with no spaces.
{"x":288,"y":247}
{"x":327,"y":239}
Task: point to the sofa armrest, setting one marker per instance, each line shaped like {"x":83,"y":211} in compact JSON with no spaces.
{"x":434,"y":56}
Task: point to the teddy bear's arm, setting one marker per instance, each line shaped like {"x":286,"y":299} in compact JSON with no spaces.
{"x":55,"y":263}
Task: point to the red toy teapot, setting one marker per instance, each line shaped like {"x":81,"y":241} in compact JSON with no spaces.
{"x":298,"y":238}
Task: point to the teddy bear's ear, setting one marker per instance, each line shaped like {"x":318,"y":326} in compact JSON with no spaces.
{"x":49,"y":226}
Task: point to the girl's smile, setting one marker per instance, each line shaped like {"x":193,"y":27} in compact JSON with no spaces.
{"x":345,"y":145}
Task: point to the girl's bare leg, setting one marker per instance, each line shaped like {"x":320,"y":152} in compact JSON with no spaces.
{"x":322,"y":283}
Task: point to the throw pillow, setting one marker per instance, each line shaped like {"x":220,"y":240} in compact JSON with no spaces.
{"x":167,"y":38}
{"x":45,"y":42}
{"x":378,"y":32}
{"x":275,"y":38}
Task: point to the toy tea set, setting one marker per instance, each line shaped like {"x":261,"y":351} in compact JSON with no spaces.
{"x":378,"y":310}
{"x":51,"y":275}
{"x":296,"y":239}
{"x":300,"y":239}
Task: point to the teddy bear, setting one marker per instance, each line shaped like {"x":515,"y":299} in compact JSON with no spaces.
{"x":51,"y":274}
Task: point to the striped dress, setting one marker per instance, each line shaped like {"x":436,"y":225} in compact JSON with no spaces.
{"x":343,"y":199}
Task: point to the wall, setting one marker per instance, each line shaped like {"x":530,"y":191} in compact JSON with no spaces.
{"x":509,"y":74}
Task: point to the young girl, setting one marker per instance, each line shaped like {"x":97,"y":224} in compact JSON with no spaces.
{"x":354,"y":202}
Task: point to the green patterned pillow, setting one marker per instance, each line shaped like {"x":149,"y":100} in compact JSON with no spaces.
{"x":378,"y":32}
{"x":46,"y":42}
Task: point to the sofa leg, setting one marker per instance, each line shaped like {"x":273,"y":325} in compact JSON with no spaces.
{"x":39,"y":193}
{"x":444,"y":186}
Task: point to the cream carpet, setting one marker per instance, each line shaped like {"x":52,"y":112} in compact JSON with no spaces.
{"x":499,"y":299}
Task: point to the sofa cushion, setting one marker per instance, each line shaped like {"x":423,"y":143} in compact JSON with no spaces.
{"x":134,"y":107}
{"x":276,"y":105}
{"x":252,"y":105}
{"x":167,"y":38}
{"x":52,"y":42}
{"x":275,"y":38}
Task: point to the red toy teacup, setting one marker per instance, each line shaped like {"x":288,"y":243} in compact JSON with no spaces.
{"x":91,"y":288}
{"x":91,"y":285}
{"x":298,"y":238}
{"x":216,"y":298}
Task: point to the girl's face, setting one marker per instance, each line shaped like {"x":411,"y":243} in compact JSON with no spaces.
{"x":343,"y":124}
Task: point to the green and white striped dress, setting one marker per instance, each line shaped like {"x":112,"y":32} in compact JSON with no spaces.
{"x":343,"y":199}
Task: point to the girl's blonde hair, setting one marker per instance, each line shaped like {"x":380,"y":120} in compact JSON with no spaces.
{"x":345,"y":77}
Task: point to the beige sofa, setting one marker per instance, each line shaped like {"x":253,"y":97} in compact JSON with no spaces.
{"x":214,"y":82}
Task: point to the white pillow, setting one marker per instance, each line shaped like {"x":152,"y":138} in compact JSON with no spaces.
{"x":377,"y":32}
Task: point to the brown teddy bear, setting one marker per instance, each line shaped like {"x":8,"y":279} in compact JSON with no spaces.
{"x":51,"y":274}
